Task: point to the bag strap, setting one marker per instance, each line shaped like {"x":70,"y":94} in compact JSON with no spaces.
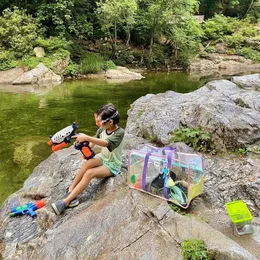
{"x":169,"y":165}
{"x":172,"y":149}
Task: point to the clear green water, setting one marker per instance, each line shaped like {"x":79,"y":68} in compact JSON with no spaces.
{"x":28,"y":119}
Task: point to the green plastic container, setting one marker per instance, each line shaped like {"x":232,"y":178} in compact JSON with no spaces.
{"x":238,"y":212}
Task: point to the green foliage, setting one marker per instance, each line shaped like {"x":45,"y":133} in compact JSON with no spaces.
{"x":250,"y":54}
{"x":93,"y":63}
{"x":219,"y":25}
{"x":18,"y":31}
{"x":194,"y":137}
{"x":71,"y":70}
{"x":31,"y":61}
{"x":53,"y":43}
{"x":194,"y":250}
{"x":236,"y":40}
{"x":62,"y":17}
{"x":109,"y":65}
{"x":7,"y":60}
{"x":55,"y":48}
{"x":210,"y":49}
{"x":172,"y":20}
{"x":116,"y":13}
{"x":245,"y":150}
{"x":158,"y":56}
{"x":234,"y":33}
{"x":255,"y":149}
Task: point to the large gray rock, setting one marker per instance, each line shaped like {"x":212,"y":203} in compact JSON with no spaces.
{"x":223,"y":65}
{"x":230,"y":114}
{"x":112,"y":221}
{"x":40,"y":75}
{"x":248,"y":81}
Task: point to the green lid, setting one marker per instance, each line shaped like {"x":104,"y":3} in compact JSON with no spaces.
{"x":238,"y":211}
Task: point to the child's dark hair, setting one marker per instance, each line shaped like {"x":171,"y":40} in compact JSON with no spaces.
{"x":108,"y":112}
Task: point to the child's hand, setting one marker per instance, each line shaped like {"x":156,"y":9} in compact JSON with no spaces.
{"x":80,"y":138}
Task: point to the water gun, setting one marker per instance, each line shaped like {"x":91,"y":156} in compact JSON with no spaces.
{"x":28,"y":208}
{"x":63,"y":137}
{"x":85,"y":150}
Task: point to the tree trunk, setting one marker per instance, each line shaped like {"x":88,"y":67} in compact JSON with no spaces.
{"x":115,"y":33}
{"x":250,"y":7}
{"x":128,"y":38}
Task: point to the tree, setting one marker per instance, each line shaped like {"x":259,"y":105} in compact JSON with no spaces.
{"x":114,"y":15}
{"x":18,"y":31}
{"x":172,"y":19}
{"x":234,"y":8}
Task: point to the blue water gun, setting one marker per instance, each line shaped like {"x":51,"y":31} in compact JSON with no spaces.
{"x":28,"y":209}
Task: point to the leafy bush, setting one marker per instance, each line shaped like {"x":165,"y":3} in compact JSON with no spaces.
{"x":211,"y":49}
{"x":220,"y":25}
{"x":108,"y":65}
{"x":71,"y":70}
{"x":194,"y":137}
{"x":92,"y":63}
{"x":31,"y":61}
{"x":216,"y":27}
{"x":7,"y":60}
{"x":250,"y":54}
{"x":53,"y":43}
{"x":194,"y":250}
{"x":18,"y":31}
{"x":235,"y":40}
{"x":158,"y":56}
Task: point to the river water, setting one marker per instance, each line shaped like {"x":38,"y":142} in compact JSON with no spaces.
{"x":28,"y":118}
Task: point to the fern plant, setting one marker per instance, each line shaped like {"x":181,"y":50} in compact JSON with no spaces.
{"x":194,"y":250}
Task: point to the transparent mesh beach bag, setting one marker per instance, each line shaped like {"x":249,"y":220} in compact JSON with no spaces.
{"x":166,"y":173}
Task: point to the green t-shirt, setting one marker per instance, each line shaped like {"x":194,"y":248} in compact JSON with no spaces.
{"x":112,"y":154}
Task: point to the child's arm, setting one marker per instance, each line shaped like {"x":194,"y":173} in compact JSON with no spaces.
{"x":93,"y":140}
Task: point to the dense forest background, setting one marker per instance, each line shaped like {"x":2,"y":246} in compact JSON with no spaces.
{"x":99,"y":34}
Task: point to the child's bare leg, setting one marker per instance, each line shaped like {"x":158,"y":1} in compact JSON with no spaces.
{"x":95,"y":162}
{"x":99,"y":172}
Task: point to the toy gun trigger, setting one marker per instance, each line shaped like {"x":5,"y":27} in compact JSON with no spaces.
{"x":57,"y":147}
{"x":31,"y":212}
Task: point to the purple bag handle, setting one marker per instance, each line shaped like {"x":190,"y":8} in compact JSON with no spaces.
{"x":172,"y":149}
{"x":169,"y":164}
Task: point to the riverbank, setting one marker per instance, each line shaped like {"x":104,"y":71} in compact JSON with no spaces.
{"x":138,"y":218}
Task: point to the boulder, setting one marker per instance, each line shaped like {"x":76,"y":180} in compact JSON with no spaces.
{"x":122,"y":73}
{"x":111,"y":222}
{"x":228,"y":113}
{"x":60,"y":64}
{"x":8,"y":76}
{"x":39,"y":52}
{"x":248,"y":81}
{"x":40,"y":75}
{"x":222,"y":64}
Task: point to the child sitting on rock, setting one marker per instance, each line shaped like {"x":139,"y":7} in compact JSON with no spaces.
{"x":107,"y":163}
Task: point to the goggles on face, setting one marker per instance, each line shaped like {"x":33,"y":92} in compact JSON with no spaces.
{"x":106,"y":120}
{"x":97,"y":119}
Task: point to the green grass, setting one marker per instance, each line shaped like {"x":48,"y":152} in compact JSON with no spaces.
{"x":194,"y":249}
